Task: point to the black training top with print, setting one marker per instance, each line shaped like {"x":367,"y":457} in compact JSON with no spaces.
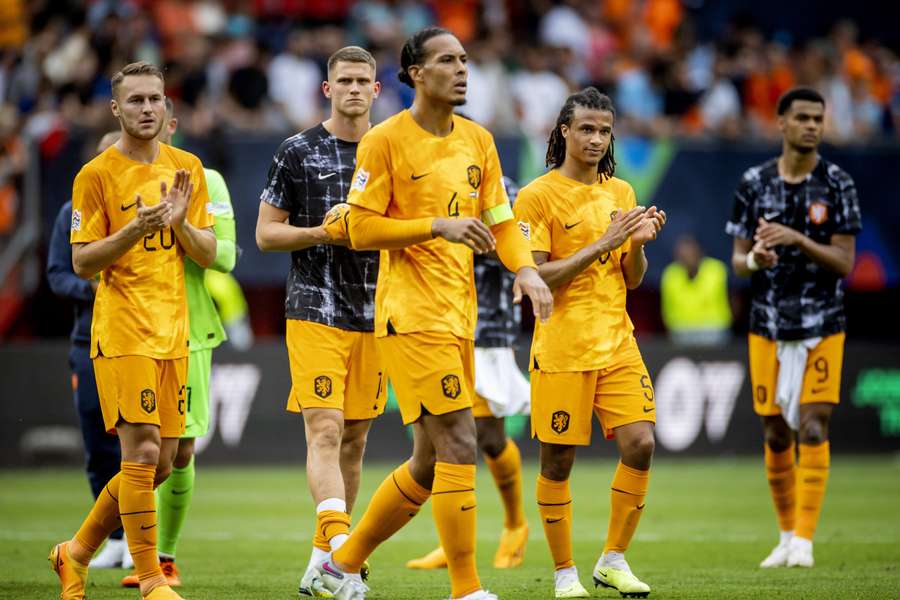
{"x":497,"y":326}
{"x":797,"y":298}
{"x":331,"y":285}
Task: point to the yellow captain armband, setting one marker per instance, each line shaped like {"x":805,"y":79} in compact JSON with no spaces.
{"x":497,"y":214}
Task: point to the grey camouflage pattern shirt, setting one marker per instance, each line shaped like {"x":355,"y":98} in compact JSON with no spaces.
{"x":330,"y":285}
{"x":797,"y":298}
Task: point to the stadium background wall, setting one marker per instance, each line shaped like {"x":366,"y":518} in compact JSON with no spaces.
{"x":703,"y":401}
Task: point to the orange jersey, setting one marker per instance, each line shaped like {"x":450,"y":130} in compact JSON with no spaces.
{"x":141,"y":305}
{"x":405,"y":172}
{"x":589,"y":326}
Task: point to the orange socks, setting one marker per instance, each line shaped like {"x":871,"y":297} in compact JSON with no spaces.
{"x":453,"y":505}
{"x":101,"y":521}
{"x":812,"y":477}
{"x":330,"y":523}
{"x":396,"y":501}
{"x":137,"y":508}
{"x":780,"y":473}
{"x":507,"y":472}
{"x":629,"y":487}
{"x":555,"y":507}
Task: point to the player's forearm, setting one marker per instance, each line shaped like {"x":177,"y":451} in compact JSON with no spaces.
{"x":512,"y":247}
{"x":198,"y":244}
{"x":226,"y":248}
{"x":560,"y":272}
{"x":832,"y":257}
{"x":634,"y":266}
{"x":739,"y":264}
{"x":282,"y":237}
{"x":226,"y":256}
{"x":93,"y":257}
{"x":371,"y":231}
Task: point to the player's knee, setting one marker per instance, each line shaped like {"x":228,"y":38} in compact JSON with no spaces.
{"x":491,"y":441}
{"x":324,"y":436}
{"x":353,"y":447}
{"x":184,"y":454}
{"x":557,"y":461}
{"x":459,"y":451}
{"x":813,"y":432}
{"x":778,"y":439}
{"x":146,"y":452}
{"x":162,"y":473}
{"x":638,"y":453}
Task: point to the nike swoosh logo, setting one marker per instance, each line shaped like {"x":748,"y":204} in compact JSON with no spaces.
{"x":641,"y":507}
{"x":326,"y":176}
{"x":125,"y":207}
{"x":567,"y":226}
{"x":771,"y":215}
{"x":817,"y":390}
{"x":148,"y":527}
{"x":180,"y":492}
{"x":651,"y":409}
{"x":415,"y":177}
{"x":555,"y":520}
{"x":327,"y":567}
{"x":465,"y":508}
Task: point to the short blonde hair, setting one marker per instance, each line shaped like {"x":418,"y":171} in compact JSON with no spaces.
{"x":136,"y":68}
{"x":353,"y":54}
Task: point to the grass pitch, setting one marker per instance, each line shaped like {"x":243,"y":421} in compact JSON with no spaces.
{"x":707,"y":525}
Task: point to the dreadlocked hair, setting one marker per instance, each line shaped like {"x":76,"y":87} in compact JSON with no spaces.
{"x":591,"y":98}
{"x":413,"y":52}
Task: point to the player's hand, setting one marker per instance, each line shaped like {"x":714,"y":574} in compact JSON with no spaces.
{"x":651,"y":224}
{"x":775,"y":234}
{"x":178,"y":196}
{"x":336,"y":224}
{"x":621,"y":227}
{"x":150,"y":219}
{"x":763,"y":256}
{"x":469,"y":231}
{"x":529,"y":283}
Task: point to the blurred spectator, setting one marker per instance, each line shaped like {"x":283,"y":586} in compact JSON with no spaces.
{"x":720,"y":105}
{"x":12,"y":165}
{"x":694,"y":296}
{"x":295,"y":82}
{"x":258,"y":64}
{"x":538,"y":92}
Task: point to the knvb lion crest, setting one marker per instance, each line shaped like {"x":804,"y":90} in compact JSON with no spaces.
{"x":474,"y":175}
{"x":818,"y":212}
{"x":451,"y":387}
{"x":559,"y":421}
{"x":148,"y":400}
{"x":322,"y":386}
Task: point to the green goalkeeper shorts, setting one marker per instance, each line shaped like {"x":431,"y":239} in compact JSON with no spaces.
{"x":197,"y":418}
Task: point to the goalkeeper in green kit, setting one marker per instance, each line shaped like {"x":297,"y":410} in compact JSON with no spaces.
{"x":206,"y":332}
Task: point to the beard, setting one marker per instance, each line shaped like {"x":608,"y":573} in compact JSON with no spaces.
{"x":136,"y":132}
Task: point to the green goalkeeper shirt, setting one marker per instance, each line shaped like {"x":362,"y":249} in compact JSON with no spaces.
{"x":206,"y":327}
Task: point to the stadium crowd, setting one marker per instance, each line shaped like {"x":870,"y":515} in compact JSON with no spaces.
{"x":257,"y":65}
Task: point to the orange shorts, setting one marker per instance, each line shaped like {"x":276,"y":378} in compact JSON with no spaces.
{"x":562,"y":403}
{"x":140,"y":389}
{"x":334,"y":368}
{"x":431,"y":370}
{"x":821,"y":382}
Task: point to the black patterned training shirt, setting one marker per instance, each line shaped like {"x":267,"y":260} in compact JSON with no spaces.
{"x":331,"y":285}
{"x":497,"y":324}
{"x":797,"y":298}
